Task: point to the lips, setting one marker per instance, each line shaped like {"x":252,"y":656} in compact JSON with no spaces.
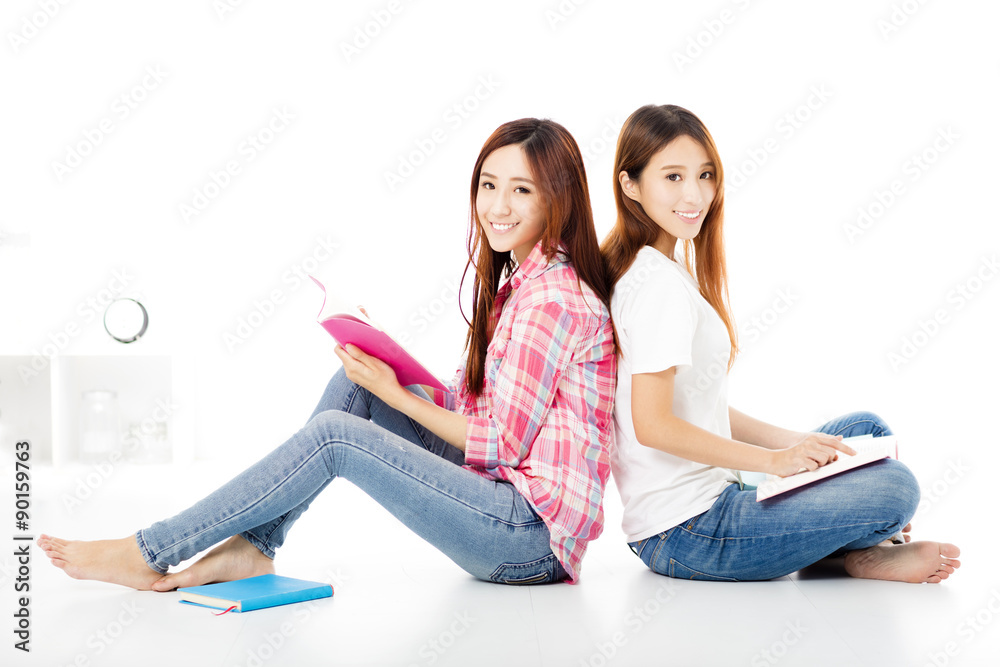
{"x":689,"y":216}
{"x":503,"y":228}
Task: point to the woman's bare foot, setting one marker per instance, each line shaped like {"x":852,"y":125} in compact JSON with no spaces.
{"x":233,"y":559}
{"x":113,"y":561}
{"x":915,"y":562}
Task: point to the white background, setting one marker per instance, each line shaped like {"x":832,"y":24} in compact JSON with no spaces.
{"x":817,"y":109}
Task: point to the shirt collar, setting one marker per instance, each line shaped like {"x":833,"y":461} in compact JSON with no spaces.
{"x":535,"y":264}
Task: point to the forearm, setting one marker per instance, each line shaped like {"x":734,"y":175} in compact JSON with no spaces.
{"x":450,"y":426}
{"x":747,"y":429}
{"x":681,"y":438}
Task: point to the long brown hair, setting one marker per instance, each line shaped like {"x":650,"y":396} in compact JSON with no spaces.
{"x":558,"y":172}
{"x":644,"y":134}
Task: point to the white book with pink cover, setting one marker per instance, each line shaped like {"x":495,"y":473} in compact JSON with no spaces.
{"x":868,"y":450}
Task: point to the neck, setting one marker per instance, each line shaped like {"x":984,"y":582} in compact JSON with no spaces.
{"x":666,"y":244}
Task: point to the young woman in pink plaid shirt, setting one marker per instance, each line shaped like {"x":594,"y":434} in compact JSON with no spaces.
{"x":505,"y":473}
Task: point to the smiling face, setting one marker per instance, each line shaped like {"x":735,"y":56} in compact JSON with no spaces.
{"x":508,"y":203}
{"x":675,"y":190}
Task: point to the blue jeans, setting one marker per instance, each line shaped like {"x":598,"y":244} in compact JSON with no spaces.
{"x":487,"y":527}
{"x":740,"y":539}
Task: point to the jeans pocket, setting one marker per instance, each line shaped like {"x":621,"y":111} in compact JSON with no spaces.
{"x":543,"y":570}
{"x":679,"y":570}
{"x":641,"y":545}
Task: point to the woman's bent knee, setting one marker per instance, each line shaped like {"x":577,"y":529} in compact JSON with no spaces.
{"x":898,"y":487}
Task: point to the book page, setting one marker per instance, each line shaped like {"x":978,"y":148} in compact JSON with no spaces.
{"x":334,"y":304}
{"x":359,"y":330}
{"x":868,"y":449}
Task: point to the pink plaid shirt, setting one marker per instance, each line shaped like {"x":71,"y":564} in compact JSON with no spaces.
{"x":544,"y":419}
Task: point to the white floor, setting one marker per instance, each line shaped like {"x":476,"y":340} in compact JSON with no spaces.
{"x":399,"y":602}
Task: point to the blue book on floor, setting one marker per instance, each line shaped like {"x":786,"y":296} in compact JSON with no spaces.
{"x":268,"y":590}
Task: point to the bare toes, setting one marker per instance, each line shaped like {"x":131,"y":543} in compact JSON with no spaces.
{"x":950,"y":550}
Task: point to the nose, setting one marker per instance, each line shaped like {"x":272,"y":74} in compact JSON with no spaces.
{"x":692,"y":192}
{"x":500,"y":204}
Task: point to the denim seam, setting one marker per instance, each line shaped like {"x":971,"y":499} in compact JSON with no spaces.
{"x":659,"y":546}
{"x":147,"y":555}
{"x":319,"y":450}
{"x":799,"y":532}
{"x":530,"y":564}
{"x":249,"y":507}
{"x":260,"y":546}
{"x":350,"y":399}
{"x":442,"y":492}
{"x":860,"y":421}
{"x":674,"y":561}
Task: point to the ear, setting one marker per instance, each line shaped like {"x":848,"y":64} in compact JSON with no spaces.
{"x":629,"y":187}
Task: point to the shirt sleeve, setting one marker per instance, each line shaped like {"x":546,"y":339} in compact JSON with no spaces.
{"x":543,"y":339}
{"x":659,"y":319}
{"x":446,"y":399}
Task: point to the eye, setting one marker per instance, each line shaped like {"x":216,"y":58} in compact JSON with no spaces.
{"x":486,"y":185}
{"x":673,"y":177}
{"x":708,"y":175}
{"x":522,"y":190}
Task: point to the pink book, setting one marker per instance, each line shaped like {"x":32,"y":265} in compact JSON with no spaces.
{"x":359,"y":330}
{"x":868,"y":450}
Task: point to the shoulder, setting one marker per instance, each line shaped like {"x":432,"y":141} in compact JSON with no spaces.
{"x":558,"y":291}
{"x":558,"y":283}
{"x":652,"y":277}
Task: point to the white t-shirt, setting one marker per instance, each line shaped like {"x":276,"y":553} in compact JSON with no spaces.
{"x":663,"y":321}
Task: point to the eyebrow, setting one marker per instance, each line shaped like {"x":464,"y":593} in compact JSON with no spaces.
{"x":516,"y":178}
{"x":680,"y":166}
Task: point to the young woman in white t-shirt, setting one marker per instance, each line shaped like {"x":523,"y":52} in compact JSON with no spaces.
{"x":678,"y":439}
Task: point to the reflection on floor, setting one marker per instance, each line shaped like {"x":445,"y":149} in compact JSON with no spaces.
{"x":400,"y":602}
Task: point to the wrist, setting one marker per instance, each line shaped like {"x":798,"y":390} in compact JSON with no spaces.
{"x":396,"y":398}
{"x":791,"y":439}
{"x":771,"y":461}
